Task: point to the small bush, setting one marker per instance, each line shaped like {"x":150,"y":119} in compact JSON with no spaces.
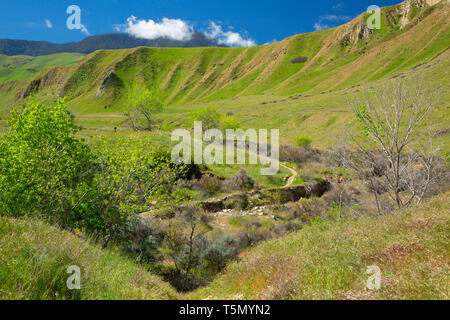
{"x":219,"y":252}
{"x":208,"y":184}
{"x":228,"y":122}
{"x":241,"y":181}
{"x":298,"y":155}
{"x":143,"y":239}
{"x":209,"y":116}
{"x":341,"y":194}
{"x":303,"y":141}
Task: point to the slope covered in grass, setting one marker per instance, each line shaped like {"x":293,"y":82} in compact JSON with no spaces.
{"x":26,"y":67}
{"x":325,"y":261}
{"x":329,"y":260}
{"x":34,"y":258}
{"x":411,"y":33}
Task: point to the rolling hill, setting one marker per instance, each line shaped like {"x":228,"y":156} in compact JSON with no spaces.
{"x":412,"y":33}
{"x":26,"y":67}
{"x":12,"y":47}
{"x":299,"y":84}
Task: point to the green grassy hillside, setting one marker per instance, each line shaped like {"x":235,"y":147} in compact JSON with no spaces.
{"x":306,"y":63}
{"x":260,"y":86}
{"x":26,"y":67}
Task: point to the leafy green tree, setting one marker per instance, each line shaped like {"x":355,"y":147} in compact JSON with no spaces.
{"x":44,"y":169}
{"x":212,"y":119}
{"x":142,"y":108}
{"x":133,"y":178}
{"x":209,"y":116}
{"x":229,"y":122}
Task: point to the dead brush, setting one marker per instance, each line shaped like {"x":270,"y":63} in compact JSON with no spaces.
{"x":241,"y":181}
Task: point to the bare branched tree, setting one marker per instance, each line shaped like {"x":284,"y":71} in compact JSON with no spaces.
{"x":391,"y":116}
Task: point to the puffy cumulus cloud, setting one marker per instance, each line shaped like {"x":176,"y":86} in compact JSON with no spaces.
{"x":174,"y":29}
{"x":48,"y":23}
{"x":229,"y":38}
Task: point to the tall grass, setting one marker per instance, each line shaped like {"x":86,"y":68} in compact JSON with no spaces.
{"x":34,"y":260}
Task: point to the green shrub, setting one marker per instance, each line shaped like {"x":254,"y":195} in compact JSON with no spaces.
{"x":209,"y":117}
{"x":133,"y":177}
{"x":219,"y":252}
{"x":228,"y":122}
{"x":303,"y":141}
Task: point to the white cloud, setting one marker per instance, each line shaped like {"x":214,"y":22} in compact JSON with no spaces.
{"x":338,"y":6}
{"x":175,"y":29}
{"x":85,"y":30}
{"x":229,"y":38}
{"x":271,"y":41}
{"x":48,"y":23}
{"x":334,"y":18}
{"x":320,"y":25}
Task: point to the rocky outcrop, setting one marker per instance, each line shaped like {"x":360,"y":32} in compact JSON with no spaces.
{"x":398,"y":16}
{"x":32,"y":87}
{"x":353,"y":34}
{"x":405,"y":9}
{"x":54,"y":77}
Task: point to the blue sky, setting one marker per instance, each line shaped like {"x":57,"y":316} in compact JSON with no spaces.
{"x":231,"y":21}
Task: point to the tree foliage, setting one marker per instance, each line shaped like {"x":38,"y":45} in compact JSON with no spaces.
{"x":46,"y":171}
{"x":142,"y":108}
{"x":44,"y":168}
{"x":212,"y":119}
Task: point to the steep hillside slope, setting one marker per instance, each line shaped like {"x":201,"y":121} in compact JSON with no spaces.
{"x":412,"y":33}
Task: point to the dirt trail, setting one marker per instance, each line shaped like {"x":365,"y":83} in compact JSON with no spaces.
{"x":291,"y":179}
